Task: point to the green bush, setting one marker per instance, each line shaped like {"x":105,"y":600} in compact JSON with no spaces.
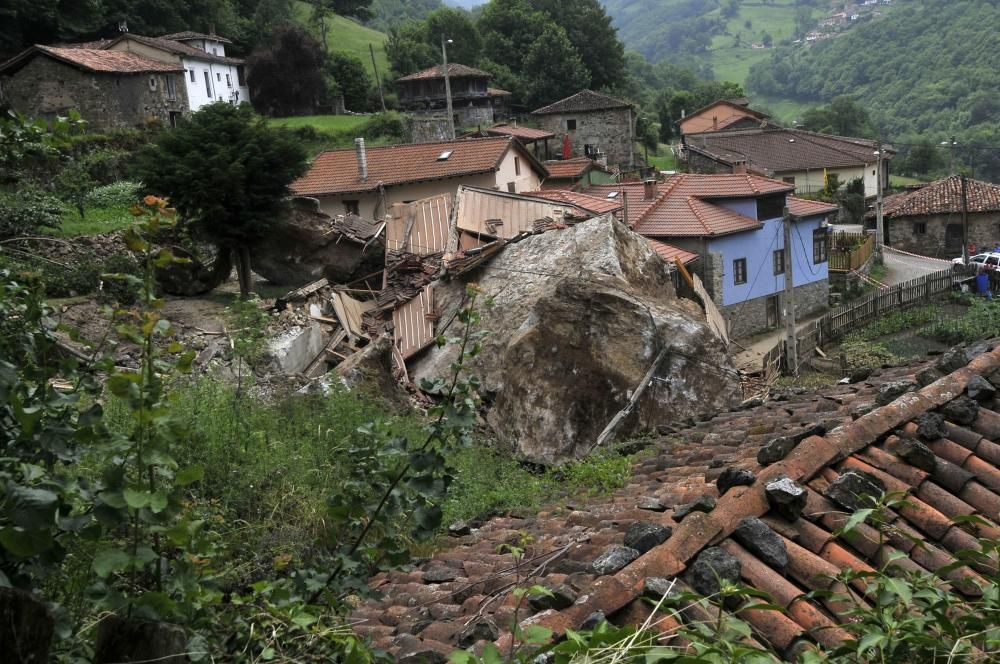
{"x":28,"y":211}
{"x":982,"y":320}
{"x":120,"y":193}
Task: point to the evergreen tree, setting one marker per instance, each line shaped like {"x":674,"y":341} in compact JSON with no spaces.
{"x":286,"y":75}
{"x":553,"y":68}
{"x":351,"y":79}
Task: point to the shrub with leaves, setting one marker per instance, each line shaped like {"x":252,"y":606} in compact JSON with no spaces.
{"x":28,"y":211}
{"x":123,"y":192}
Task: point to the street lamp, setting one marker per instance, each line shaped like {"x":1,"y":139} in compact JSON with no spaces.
{"x":879,"y":235}
{"x":447,"y":85}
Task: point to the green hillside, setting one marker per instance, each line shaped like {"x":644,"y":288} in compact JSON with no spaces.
{"x":344,"y":34}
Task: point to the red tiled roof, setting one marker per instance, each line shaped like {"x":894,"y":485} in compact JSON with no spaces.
{"x":336,"y":171}
{"x":466,"y":588}
{"x":188,"y":35}
{"x":523,"y":133}
{"x":95,"y":60}
{"x":944,"y":197}
{"x":595,"y":204}
{"x":455,"y":70}
{"x":741,"y":103}
{"x":801,"y":207}
{"x":778,"y":150}
{"x":569,"y":168}
{"x":583,"y":101}
{"x":669,"y":252}
{"x":683,"y":207}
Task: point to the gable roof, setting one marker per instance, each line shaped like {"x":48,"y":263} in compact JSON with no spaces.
{"x":189,"y":35}
{"x":92,"y":60}
{"x":175,"y":47}
{"x":583,"y":101}
{"x":943,"y":197}
{"x":741,"y":105}
{"x":683,"y":207}
{"x":470,"y":581}
{"x":777,"y":149}
{"x":801,"y":207}
{"x":336,"y":171}
{"x":455,"y":70}
{"x":569,"y":168}
{"x":670,"y":253}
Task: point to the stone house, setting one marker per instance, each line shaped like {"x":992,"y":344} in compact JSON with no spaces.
{"x":473,"y":101}
{"x":798,"y":157}
{"x":733,"y":223}
{"x":209,"y":75}
{"x":109,"y":88}
{"x":928,"y":220}
{"x":721,"y":115}
{"x":598,"y":126}
{"x":369,"y":181}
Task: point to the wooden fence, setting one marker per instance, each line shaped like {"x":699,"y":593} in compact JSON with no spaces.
{"x":850,"y":251}
{"x":868,"y":309}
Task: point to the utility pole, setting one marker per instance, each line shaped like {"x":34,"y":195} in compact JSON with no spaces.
{"x":965,"y":220}
{"x":378,"y":80}
{"x":879,"y":231}
{"x":791,"y":341}
{"x":447,"y":86}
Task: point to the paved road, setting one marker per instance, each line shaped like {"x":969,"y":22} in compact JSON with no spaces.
{"x":900,"y":267}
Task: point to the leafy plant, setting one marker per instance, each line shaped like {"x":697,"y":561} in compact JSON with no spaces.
{"x":122,"y":192}
{"x":28,"y":211}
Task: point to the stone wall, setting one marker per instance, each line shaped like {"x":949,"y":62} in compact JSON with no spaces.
{"x":699,"y":163}
{"x":984,"y":230}
{"x":611,"y":131}
{"x":46,"y":88}
{"x":749,"y":318}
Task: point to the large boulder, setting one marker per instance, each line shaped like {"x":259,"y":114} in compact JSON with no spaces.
{"x":577,"y":319}
{"x":312,"y":245}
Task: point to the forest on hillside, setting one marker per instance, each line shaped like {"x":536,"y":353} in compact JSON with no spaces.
{"x":928,"y":73}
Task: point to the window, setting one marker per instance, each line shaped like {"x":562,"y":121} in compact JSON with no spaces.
{"x":191,"y":72}
{"x":819,"y":245}
{"x":218,"y":77}
{"x":351,"y":207}
{"x":511,"y":187}
{"x":919,"y":228}
{"x":445,"y":155}
{"x":229,"y":80}
{"x":517,"y":165}
{"x":240,"y":76}
{"x":175,"y":118}
{"x":779,"y":261}
{"x":740,"y":271}
{"x":152,"y":83}
{"x":789,"y":179}
{"x":171,"y":87}
{"x":215,"y":51}
{"x":208,"y":84}
{"x":770,"y":207}
{"x":571,"y":125}
{"x":992,"y":260}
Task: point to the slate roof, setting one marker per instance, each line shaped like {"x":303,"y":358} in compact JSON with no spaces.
{"x":583,"y":101}
{"x":455,"y":70}
{"x":669,"y":252}
{"x":93,"y":60}
{"x":336,"y":171}
{"x":188,"y":35}
{"x":176,"y":47}
{"x":462,"y":595}
{"x":683,"y":207}
{"x":801,"y":207}
{"x":595,"y":204}
{"x":778,"y":150}
{"x":943,"y":197}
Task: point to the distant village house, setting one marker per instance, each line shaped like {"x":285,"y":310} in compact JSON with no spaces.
{"x":721,"y":115}
{"x":368,"y":181}
{"x":597,"y":126}
{"x":473,"y":101}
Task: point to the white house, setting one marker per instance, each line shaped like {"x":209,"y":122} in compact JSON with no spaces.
{"x":210,"y":76}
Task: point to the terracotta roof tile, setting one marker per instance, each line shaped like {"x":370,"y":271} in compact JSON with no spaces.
{"x":569,"y":168}
{"x":336,"y":171}
{"x":777,"y":149}
{"x":670,"y":253}
{"x":922,"y":531}
{"x":683,"y":204}
{"x":801,"y":207}
{"x":523,"y":133}
{"x":97,"y":60}
{"x":595,"y":204}
{"x":583,"y":101}
{"x":943,"y":197}
{"x":455,"y":70}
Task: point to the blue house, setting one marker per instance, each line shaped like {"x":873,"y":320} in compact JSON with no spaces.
{"x":734,"y":223}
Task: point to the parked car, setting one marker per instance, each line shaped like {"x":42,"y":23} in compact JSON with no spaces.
{"x":990,"y":260}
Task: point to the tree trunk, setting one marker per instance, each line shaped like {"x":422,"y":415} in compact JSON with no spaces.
{"x":243,"y":271}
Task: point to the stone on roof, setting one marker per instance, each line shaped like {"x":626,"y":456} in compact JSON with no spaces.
{"x":455,"y":70}
{"x":583,"y":101}
{"x":944,"y":197}
{"x":803,"y":554}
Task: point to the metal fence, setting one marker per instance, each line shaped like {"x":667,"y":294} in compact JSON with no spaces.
{"x":870,"y":308}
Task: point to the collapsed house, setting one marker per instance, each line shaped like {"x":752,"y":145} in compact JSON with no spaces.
{"x":587,"y":334}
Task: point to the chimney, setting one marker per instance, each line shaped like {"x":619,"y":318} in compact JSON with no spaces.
{"x":359,"y":145}
{"x":683,"y":114}
{"x":649,"y":189}
{"x":715,"y":122}
{"x":601,"y":159}
{"x":739,"y":167}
